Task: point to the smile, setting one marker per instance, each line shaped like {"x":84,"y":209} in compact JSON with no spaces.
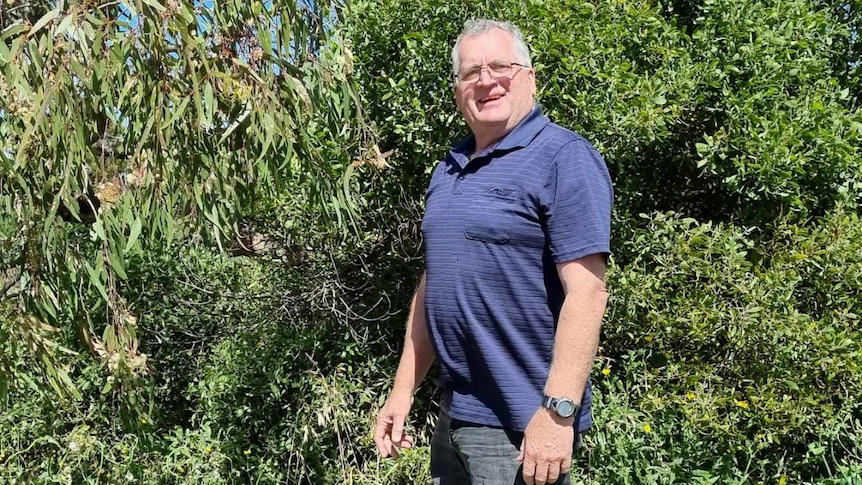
{"x":489,"y":99}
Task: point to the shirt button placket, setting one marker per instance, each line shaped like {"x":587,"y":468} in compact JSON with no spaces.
{"x":459,"y":181}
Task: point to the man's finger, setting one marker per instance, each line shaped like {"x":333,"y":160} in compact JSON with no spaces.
{"x":388,"y":447}
{"x":529,"y":470}
{"x":521,"y":452}
{"x":566,"y":467}
{"x":380,"y":436}
{"x":554,"y":473}
{"x":541,"y":477}
{"x":382,"y":448}
{"x":406,"y":441}
{"x":380,"y":442}
{"x":397,"y":428}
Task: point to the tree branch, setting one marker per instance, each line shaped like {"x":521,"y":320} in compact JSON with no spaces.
{"x":10,"y":283}
{"x":16,"y":274}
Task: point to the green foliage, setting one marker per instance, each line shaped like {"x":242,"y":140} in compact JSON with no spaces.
{"x":722,"y":346}
{"x":731,"y":346}
{"x":786,"y":136}
{"x":150,"y":123}
{"x":256,"y":377}
{"x":731,"y":349}
{"x":745,"y":109}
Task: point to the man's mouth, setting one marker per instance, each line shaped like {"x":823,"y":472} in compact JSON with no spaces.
{"x":489,"y":99}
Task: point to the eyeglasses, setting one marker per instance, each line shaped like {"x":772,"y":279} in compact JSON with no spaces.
{"x":497,"y":70}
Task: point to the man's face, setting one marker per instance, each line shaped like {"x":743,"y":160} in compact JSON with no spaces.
{"x":488,"y":105}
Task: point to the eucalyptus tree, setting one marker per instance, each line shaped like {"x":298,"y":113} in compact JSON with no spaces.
{"x":132,"y":125}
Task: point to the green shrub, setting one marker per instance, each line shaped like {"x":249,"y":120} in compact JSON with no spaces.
{"x":720,"y":352}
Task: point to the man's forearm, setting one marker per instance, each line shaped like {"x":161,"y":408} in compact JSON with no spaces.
{"x":418,"y":353}
{"x":578,"y":330}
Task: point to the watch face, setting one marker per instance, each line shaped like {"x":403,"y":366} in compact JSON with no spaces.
{"x":565,"y":408}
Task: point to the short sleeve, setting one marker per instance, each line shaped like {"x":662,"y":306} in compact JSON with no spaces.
{"x":576,"y":201}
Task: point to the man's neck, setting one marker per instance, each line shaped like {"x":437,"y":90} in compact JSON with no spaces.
{"x":485,"y":146}
{"x":493,"y":134}
{"x":489,"y":138}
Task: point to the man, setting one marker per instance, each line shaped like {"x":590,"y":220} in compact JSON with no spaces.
{"x":516,"y":234}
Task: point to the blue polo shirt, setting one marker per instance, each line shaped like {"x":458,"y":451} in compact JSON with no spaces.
{"x":494,"y":229}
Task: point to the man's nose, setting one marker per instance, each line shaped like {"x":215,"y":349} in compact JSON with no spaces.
{"x":485,"y":78}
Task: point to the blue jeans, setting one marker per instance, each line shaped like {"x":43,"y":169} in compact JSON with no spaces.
{"x":468,"y":454}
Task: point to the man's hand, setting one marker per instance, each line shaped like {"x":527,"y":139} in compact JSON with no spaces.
{"x":389,"y":433}
{"x":546,"y":451}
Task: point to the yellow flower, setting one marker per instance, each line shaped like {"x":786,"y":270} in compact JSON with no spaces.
{"x":690,"y":395}
{"x":742,"y":404}
{"x":246,"y":452}
{"x":606,"y":371}
{"x":143,"y":420}
{"x":647,"y":428}
{"x":782,"y":480}
{"x":648,"y":338}
{"x":208,"y":449}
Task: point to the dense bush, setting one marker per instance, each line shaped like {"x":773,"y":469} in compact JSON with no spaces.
{"x":260,"y":373}
{"x":737,"y":375}
{"x":731,"y":344}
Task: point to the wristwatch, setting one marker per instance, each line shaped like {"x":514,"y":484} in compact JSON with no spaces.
{"x":562,"y":406}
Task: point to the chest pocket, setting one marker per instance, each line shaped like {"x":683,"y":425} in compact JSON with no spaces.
{"x":503,"y":216}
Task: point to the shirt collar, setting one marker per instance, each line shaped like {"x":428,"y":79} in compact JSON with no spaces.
{"x":520,"y":136}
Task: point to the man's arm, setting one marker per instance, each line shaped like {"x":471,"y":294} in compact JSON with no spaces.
{"x":578,"y":329}
{"x":416,"y":359}
{"x":548,"y":439}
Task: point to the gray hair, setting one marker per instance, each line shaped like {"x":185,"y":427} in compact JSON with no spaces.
{"x":476,"y":27}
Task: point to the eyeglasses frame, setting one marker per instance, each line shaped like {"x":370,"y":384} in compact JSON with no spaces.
{"x":487,"y":67}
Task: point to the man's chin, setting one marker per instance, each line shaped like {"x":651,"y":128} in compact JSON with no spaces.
{"x":492,"y":115}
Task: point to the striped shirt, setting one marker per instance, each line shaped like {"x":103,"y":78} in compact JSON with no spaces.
{"x":494,"y":229}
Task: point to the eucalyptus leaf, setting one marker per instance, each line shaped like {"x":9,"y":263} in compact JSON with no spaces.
{"x":44,"y":20}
